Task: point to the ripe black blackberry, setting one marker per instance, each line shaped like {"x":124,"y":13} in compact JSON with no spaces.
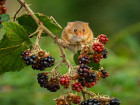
{"x":84,"y":60}
{"x":42,"y":79}
{"x":104,"y":53}
{"x":91,"y":102}
{"x":114,"y":102}
{"x":47,"y":61}
{"x":83,"y":70}
{"x":91,"y":78}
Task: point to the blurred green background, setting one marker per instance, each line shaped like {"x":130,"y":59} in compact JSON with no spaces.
{"x":118,"y":19}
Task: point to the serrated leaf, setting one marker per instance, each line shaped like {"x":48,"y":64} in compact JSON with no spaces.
{"x":95,"y":66}
{"x":4,"y":18}
{"x":10,"y":58}
{"x":30,"y":25}
{"x":15,"y":32}
{"x":12,"y":44}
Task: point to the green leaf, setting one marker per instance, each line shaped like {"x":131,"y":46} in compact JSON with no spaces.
{"x":11,"y":58}
{"x":12,"y":44}
{"x":15,"y":32}
{"x":76,"y":55}
{"x":30,"y":25}
{"x":4,"y":18}
{"x":95,"y":66}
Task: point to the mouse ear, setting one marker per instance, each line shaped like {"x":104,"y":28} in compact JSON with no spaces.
{"x":69,"y":23}
{"x":86,"y":24}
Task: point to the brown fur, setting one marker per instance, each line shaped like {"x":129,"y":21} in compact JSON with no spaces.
{"x":79,"y":36}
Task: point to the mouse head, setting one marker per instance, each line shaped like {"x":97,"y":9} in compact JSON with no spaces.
{"x":78,"y":28}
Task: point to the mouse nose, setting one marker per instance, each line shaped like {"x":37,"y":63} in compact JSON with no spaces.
{"x":79,"y":34}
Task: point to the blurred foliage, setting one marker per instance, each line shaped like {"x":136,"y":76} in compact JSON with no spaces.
{"x":117,"y":19}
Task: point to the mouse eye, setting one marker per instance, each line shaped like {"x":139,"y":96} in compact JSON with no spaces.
{"x":83,"y":30}
{"x":75,"y":30}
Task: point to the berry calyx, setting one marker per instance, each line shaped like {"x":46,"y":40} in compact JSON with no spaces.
{"x":77,"y":86}
{"x":60,"y":102}
{"x":103,"y":38}
{"x":98,"y":47}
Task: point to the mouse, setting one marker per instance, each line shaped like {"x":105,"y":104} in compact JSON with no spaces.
{"x":77,"y":32}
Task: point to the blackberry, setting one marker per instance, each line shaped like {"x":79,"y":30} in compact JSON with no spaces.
{"x":91,"y":102}
{"x":91,"y":78}
{"x":114,"y":102}
{"x":53,"y":87}
{"x":84,"y":60}
{"x":104,"y":53}
{"x":83,"y":70}
{"x":104,"y":73}
{"x":47,"y":61}
{"x":42,"y":79}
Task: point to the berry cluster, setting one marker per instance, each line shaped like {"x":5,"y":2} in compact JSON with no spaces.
{"x":84,"y":60}
{"x":37,"y":62}
{"x":114,"y":102}
{"x":102,"y":38}
{"x":83,"y":70}
{"x":65,"y":80}
{"x":98,"y":47}
{"x":76,"y":99}
{"x":42,"y":79}
{"x":97,"y":57}
{"x":91,"y":102}
{"x":2,"y":8}
{"x":104,"y":53}
{"x":77,"y":86}
{"x":104,"y":73}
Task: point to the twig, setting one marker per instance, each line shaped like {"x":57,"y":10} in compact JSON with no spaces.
{"x":17,"y":13}
{"x":55,"y":21}
{"x":57,"y":66}
{"x":83,"y":93}
{"x":36,"y":45}
{"x":37,"y":30}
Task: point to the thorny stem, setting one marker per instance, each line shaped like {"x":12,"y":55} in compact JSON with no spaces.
{"x":17,"y":12}
{"x":36,"y":45}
